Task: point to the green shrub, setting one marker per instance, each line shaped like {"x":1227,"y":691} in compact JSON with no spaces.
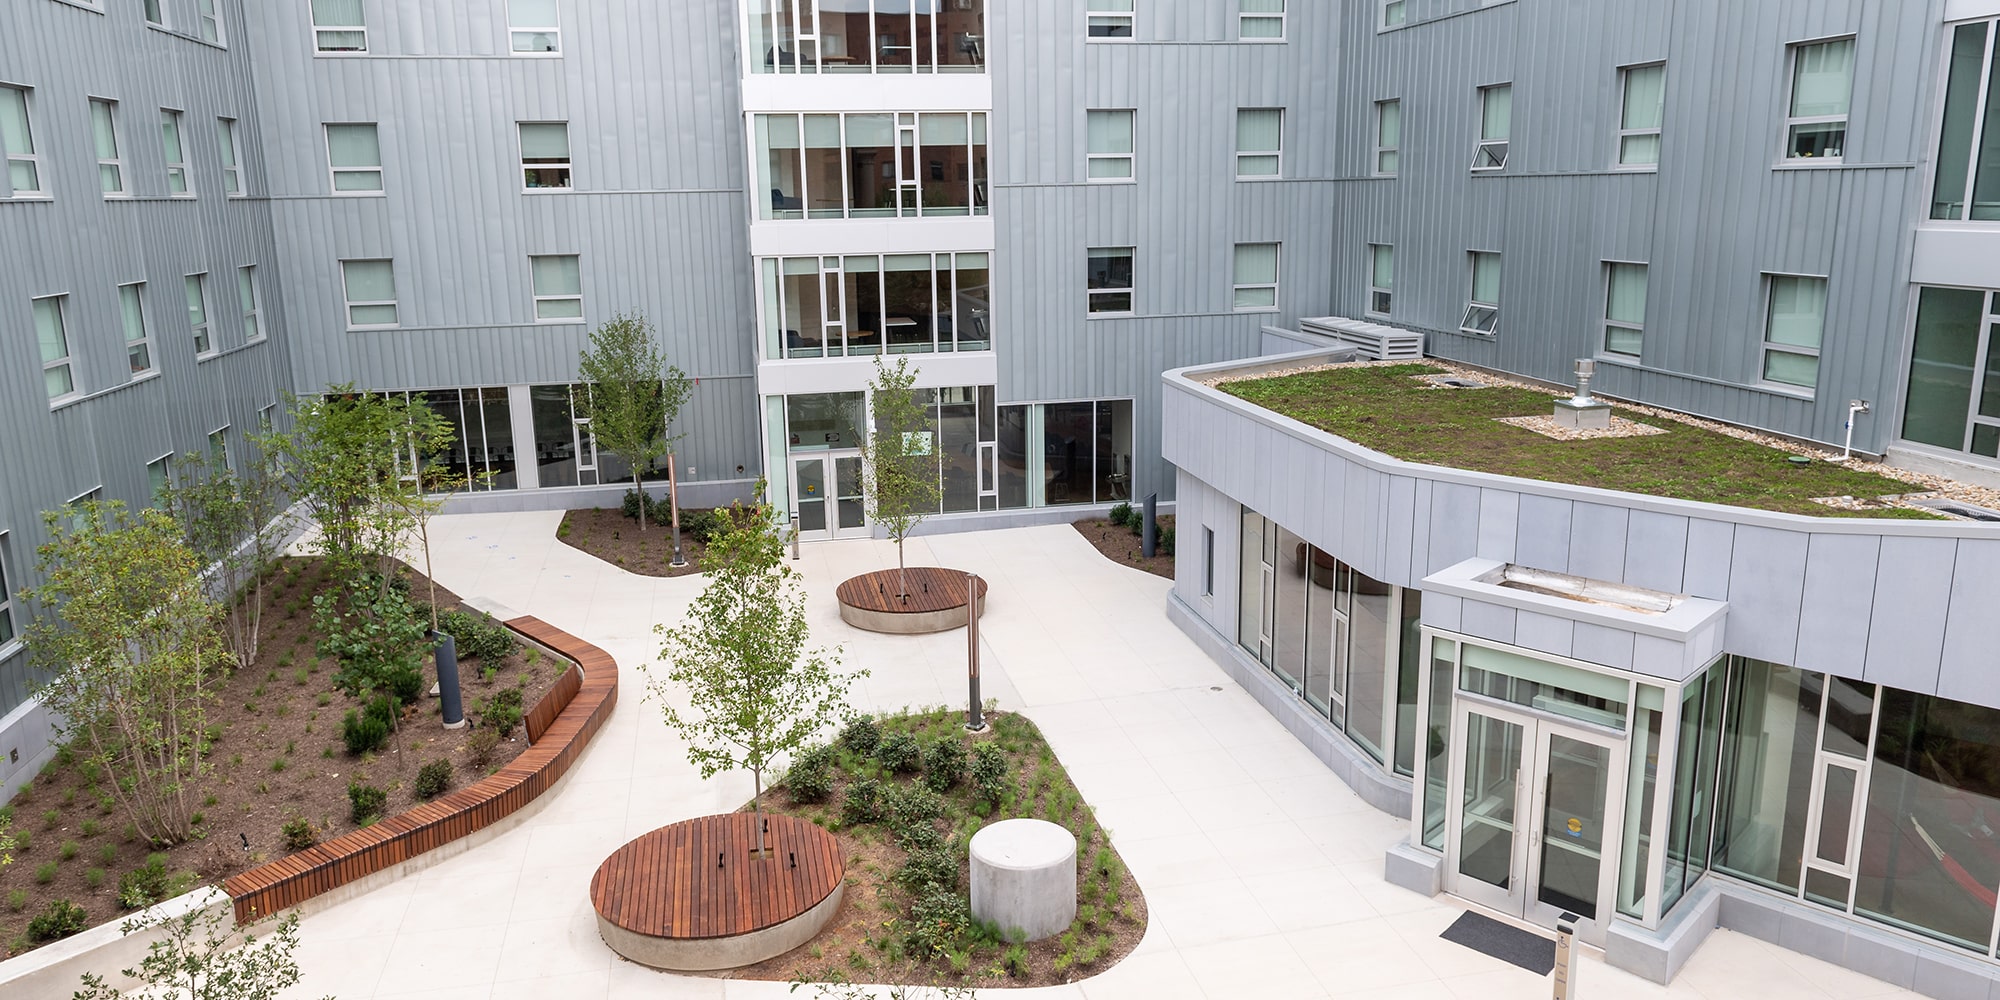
{"x":17,"y":900}
{"x":433,"y":779}
{"x":931,"y":867}
{"x":900,"y":753}
{"x":862,"y":803}
{"x":407,"y":685}
{"x":811,"y":776}
{"x":150,"y":883}
{"x":1121,"y":514}
{"x":1015,"y":961}
{"x":863,"y":735}
{"x":938,"y":919}
{"x":60,"y":920}
{"x":107,"y":852}
{"x":990,"y":772}
{"x":23,"y":838}
{"x":68,"y":850}
{"x":633,"y":503}
{"x":480,"y":746}
{"x":701,"y":525}
{"x":502,"y":711}
{"x":944,"y":762}
{"x":363,"y":733}
{"x":298,"y":834}
{"x":1166,"y":540}
{"x":911,"y":805}
{"x":365,"y":802}
{"x":94,"y":877}
{"x":91,"y":829}
{"x":46,"y":873}
{"x":477,"y":636}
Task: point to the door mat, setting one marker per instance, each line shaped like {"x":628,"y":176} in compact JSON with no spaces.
{"x":1513,"y":945}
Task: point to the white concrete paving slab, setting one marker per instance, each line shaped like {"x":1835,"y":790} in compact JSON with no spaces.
{"x":1263,"y":872}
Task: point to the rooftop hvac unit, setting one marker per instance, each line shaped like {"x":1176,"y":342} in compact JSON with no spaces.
{"x":1375,"y":341}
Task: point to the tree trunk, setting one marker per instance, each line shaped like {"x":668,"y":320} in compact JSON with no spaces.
{"x":674,"y":508}
{"x":757,"y":809}
{"x":902,"y":575}
{"x":640,"y":488}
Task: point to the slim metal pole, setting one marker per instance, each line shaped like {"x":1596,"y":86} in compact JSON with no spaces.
{"x":975,"y":712}
{"x":674,"y":507}
{"x":1149,"y":531}
{"x":795,"y":537}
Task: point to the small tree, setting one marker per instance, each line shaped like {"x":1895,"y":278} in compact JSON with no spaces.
{"x":631,"y":397}
{"x":200,"y":957}
{"x":899,"y":458}
{"x":755,"y":692}
{"x":234,"y":523}
{"x":131,"y":648}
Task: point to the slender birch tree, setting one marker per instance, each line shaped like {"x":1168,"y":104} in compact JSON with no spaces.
{"x":631,"y":397}
{"x":899,"y":457}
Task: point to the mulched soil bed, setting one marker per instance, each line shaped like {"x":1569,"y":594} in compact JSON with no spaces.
{"x":605,"y":532}
{"x":1121,"y":545}
{"x":280,"y":757}
{"x":867,"y":939}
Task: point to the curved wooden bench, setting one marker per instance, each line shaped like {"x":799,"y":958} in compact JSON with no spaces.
{"x":574,"y":709}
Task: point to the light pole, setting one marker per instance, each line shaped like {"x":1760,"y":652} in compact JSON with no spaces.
{"x":975,"y":715}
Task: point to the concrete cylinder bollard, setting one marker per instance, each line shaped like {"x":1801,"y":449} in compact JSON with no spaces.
{"x":1024,"y":878}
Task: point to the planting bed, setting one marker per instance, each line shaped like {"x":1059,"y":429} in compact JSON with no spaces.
{"x":605,"y":532}
{"x":1121,"y":544}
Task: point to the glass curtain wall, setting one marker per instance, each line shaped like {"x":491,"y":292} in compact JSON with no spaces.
{"x":868,"y":36}
{"x":870,"y":165}
{"x":1952,"y":396}
{"x":1967,"y":187}
{"x":831,"y":307}
{"x":1050,"y":454}
{"x":482,"y":445}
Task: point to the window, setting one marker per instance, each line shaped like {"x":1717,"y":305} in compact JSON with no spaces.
{"x":1640,"y":117}
{"x":1259,"y":136}
{"x":159,"y":476}
{"x":1110,"y":280}
{"x":1394,"y":12}
{"x":57,"y":374}
{"x":17,"y":138}
{"x":232,"y":169}
{"x":1482,"y":309}
{"x":558,"y":282}
{"x":176,"y":156}
{"x":1950,"y":398}
{"x":1968,"y":158}
{"x":1822,"y":85}
{"x":138,"y":341}
{"x":1261,"y":20}
{"x":156,"y":13}
{"x":218,"y":448}
{"x":533,"y":26}
{"x":370,"y":287}
{"x":7,"y":632}
{"x":1110,"y":19}
{"x":545,"y":156}
{"x":1624,"y":308}
{"x":110,"y":169}
{"x":246,"y":295}
{"x":1111,"y":145}
{"x":354,"y":153}
{"x":1207,"y":562}
{"x":1496,"y":119}
{"x":1256,"y":277}
{"x":1381,"y":277}
{"x":1792,"y":328}
{"x":339,"y":26}
{"x":870,"y":165}
{"x":211,"y":22}
{"x":1388,"y":137}
{"x":853,"y":306}
{"x":197,"y":302}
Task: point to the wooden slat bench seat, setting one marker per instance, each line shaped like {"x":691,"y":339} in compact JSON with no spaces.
{"x":697,"y":879}
{"x":932,"y":589}
{"x":569,"y":715}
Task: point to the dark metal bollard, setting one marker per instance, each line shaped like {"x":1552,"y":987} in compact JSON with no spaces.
{"x":446,"y":650}
{"x":1149,"y":535}
{"x":975,"y":711}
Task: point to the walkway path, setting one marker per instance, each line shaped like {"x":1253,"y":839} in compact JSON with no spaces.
{"x":1263,"y":872}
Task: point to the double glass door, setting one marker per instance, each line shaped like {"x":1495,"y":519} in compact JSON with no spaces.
{"x":1532,"y":819}
{"x":826,"y":493}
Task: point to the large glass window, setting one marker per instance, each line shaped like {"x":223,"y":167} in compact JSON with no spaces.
{"x":354,"y":155}
{"x":1792,"y":330}
{"x":1952,"y":326}
{"x":370,"y":287}
{"x":1409,"y":670}
{"x":1968,"y":159}
{"x":1260,"y":140}
{"x":339,"y":26}
{"x":860,"y":36}
{"x":565,"y":451}
{"x":1640,"y":116}
{"x":1689,"y":820}
{"x":1641,"y":794}
{"x":1063,"y":453}
{"x":1769,"y":737}
{"x":1437,"y":740}
{"x":1110,"y":145}
{"x":1822,"y":87}
{"x":482,"y":441}
{"x":1624,"y":308}
{"x":873,"y":165}
{"x":1371,"y":638}
{"x":853,"y":306}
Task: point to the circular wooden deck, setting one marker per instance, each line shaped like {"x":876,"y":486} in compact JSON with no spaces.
{"x":936,"y":600}
{"x":695,"y":883}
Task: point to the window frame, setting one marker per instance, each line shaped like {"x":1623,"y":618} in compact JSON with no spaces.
{"x":538,"y":297}
{"x":1395,"y":150}
{"x":1981,"y":96}
{"x":1130,"y":291}
{"x":1618,"y":161}
{"x":203,"y":332}
{"x":218,"y":447}
{"x":230,"y":147}
{"x":252,"y":311}
{"x":334,"y":172}
{"x":1767,"y":346}
{"x":567,"y":165}
{"x":116,"y":161}
{"x":176,"y":169}
{"x":1095,"y":11}
{"x":208,"y":19}
{"x":1794,"y":51}
{"x":1244,"y":17}
{"x":1484,"y":148}
{"x":1277,"y":278}
{"x":65,"y":361}
{"x":164,"y":480}
{"x":1466,"y":324}
{"x":349,"y":302}
{"x":155,"y":13}
{"x":553,"y":31}
{"x":1386,"y":294}
{"x":1608,"y":323}
{"x":33,"y":157}
{"x":1130,"y":158}
{"x":1386,"y":20}
{"x":10,"y":632}
{"x":143,"y":343}
{"x":1278,"y":154}
{"x":320,"y":31}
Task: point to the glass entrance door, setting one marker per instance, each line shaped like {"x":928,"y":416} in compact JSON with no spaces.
{"x":827,"y":494}
{"x":1532,"y":818}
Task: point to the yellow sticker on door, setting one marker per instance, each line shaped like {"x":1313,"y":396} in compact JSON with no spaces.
{"x":1575,"y":827}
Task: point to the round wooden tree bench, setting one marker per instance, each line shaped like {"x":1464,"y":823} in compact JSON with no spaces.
{"x":692,"y":897}
{"x":936,"y":601}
